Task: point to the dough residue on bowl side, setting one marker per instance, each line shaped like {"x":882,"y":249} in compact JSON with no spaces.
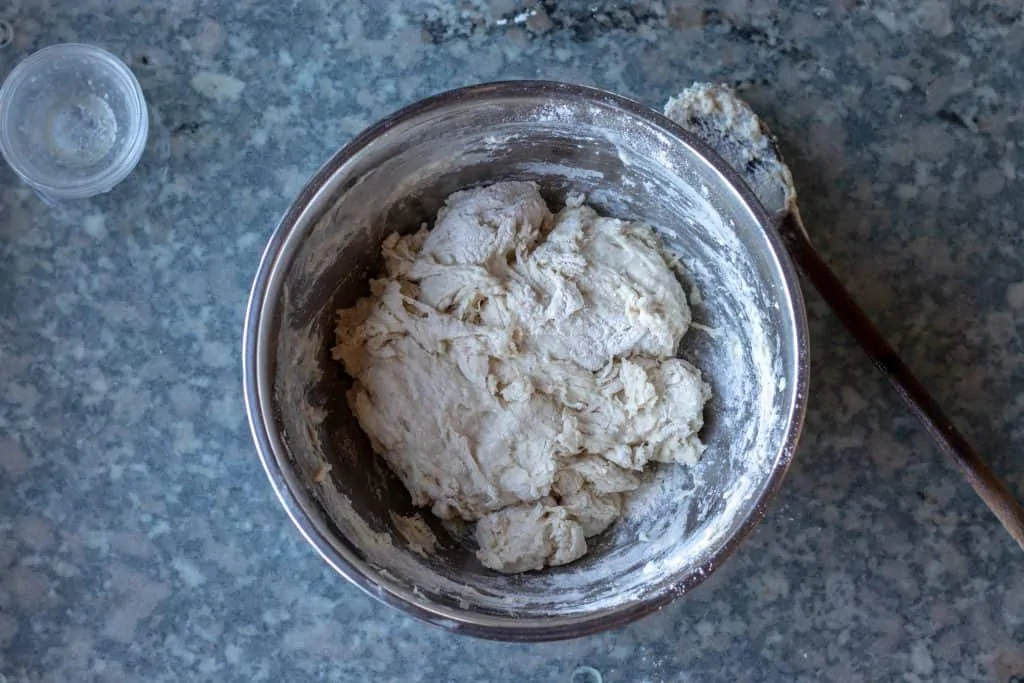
{"x":516,"y":368}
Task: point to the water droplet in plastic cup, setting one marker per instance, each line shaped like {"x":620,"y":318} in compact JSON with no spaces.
{"x":81,"y":131}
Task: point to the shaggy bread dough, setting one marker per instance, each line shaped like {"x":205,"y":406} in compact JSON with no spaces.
{"x":516,"y":368}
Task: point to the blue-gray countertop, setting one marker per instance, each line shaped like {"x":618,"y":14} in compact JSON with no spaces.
{"x":139,"y":540}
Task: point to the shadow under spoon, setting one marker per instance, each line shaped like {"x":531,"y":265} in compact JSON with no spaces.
{"x":719,"y":117}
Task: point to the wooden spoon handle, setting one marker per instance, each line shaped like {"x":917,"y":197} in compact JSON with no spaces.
{"x":979,"y":475}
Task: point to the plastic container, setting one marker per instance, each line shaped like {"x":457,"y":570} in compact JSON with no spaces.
{"x":73,"y":121}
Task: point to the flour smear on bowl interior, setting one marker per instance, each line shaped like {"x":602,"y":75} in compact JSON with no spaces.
{"x":516,"y":368}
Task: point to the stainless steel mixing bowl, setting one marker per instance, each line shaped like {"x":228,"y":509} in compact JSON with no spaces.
{"x":750,"y":341}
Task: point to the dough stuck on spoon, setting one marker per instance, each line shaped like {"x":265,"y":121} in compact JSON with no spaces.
{"x":717,"y":115}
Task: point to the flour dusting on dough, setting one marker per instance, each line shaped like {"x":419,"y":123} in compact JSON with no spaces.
{"x":516,"y":368}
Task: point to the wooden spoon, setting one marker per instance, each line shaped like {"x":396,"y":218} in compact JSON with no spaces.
{"x":718,"y":116}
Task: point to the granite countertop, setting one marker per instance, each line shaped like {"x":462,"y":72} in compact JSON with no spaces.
{"x":139,"y":539}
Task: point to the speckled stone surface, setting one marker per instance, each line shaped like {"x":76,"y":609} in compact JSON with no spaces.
{"x":139,"y":540}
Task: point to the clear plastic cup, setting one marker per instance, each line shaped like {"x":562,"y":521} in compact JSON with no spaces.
{"x":73,"y":121}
